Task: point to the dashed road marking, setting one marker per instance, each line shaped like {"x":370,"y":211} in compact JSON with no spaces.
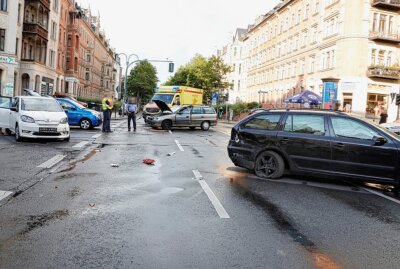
{"x":214,"y":200}
{"x":179,"y":145}
{"x":53,"y":161}
{"x":96,"y":136}
{"x":4,"y":194}
{"x":81,"y":144}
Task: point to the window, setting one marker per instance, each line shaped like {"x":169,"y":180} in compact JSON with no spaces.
{"x":307,"y":11}
{"x":16,"y":46}
{"x":209,"y":110}
{"x":375,"y":23}
{"x":19,"y":13}
{"x":53,"y":30}
{"x":2,"y":39}
{"x":5,"y":102}
{"x":373,"y":57}
{"x":307,"y":124}
{"x":352,"y":129}
{"x":197,"y":110}
{"x":52,"y":58}
{"x":185,"y":110}
{"x":263,"y":122}
{"x":3,"y":5}
{"x":382,"y":23}
{"x":316,"y":7}
{"x":55,"y":6}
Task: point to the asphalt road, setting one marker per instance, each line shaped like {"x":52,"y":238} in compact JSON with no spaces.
{"x":191,"y":209}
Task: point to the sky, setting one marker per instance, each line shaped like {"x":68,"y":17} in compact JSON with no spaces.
{"x":176,"y":30}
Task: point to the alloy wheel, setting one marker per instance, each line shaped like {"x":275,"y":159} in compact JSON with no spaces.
{"x":269,"y":165}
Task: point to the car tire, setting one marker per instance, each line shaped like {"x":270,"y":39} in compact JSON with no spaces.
{"x":85,"y":124}
{"x":205,"y":125}
{"x":18,"y":137}
{"x":166,"y":125}
{"x":269,"y":165}
{"x":67,"y":139}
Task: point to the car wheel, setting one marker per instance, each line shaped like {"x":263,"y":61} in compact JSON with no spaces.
{"x":67,"y":139}
{"x":205,"y":125}
{"x":144,"y":118}
{"x":85,"y":124}
{"x":166,"y":125}
{"x":18,"y":137}
{"x":269,"y":164}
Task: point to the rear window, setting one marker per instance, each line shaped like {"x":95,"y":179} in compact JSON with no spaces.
{"x":263,"y":122}
{"x":306,"y":124}
{"x":209,"y":110}
{"x":197,"y":110}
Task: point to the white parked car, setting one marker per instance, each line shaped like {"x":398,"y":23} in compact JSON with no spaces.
{"x":34,"y":117}
{"x":394,"y":127}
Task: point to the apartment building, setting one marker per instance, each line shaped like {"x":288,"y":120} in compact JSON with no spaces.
{"x":11,"y":18}
{"x":345,"y":50}
{"x":39,"y":46}
{"x":235,"y":55}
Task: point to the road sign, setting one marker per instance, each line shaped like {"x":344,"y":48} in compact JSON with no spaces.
{"x":7,"y":60}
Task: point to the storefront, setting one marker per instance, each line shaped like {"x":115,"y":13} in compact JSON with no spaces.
{"x":377,"y":100}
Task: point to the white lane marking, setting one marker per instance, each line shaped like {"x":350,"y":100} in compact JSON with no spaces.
{"x":4,"y":194}
{"x":81,"y":144}
{"x":53,"y":161}
{"x":382,"y":195}
{"x":214,"y":200}
{"x":179,"y":145}
{"x":96,"y":136}
{"x":170,"y":131}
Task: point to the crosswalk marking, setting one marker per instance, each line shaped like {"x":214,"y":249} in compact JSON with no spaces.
{"x":53,"y":161}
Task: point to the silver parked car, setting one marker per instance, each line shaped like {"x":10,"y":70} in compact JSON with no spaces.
{"x":186,"y":116}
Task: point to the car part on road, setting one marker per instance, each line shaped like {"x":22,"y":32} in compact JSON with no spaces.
{"x":85,"y":124}
{"x":149,"y":161}
{"x":114,"y":165}
{"x":205,"y":125}
{"x":171,"y":153}
{"x":269,"y":165}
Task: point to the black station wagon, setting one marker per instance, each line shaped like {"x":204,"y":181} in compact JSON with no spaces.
{"x":315,"y":142}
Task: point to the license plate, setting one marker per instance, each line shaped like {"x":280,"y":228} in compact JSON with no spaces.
{"x":47,"y":130}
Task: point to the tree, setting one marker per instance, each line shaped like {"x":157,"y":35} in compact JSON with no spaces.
{"x":142,"y":80}
{"x":207,"y":74}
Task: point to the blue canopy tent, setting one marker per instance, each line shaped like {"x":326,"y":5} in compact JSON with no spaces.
{"x":305,"y":97}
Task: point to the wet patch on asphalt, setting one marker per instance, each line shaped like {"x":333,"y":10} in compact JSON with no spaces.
{"x":38,"y":221}
{"x":74,"y":192}
{"x":74,"y":175}
{"x":367,"y":205}
{"x":197,"y":153}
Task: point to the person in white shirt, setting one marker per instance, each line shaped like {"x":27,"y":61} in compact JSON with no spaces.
{"x":132,"y":109}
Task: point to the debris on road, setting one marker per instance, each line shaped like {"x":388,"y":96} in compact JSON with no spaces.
{"x":171,"y":153}
{"x":92,"y":204}
{"x":149,"y":161}
{"x":114,"y":165}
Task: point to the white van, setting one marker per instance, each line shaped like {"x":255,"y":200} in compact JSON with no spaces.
{"x":34,"y":117}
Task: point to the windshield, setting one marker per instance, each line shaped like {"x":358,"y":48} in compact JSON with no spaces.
{"x":166,"y":98}
{"x":175,"y":109}
{"x":40,"y":104}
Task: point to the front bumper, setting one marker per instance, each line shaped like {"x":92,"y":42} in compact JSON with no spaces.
{"x":32,"y":130}
{"x":153,"y":122}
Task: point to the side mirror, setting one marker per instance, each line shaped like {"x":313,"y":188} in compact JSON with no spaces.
{"x":379,"y":140}
{"x":14,"y":109}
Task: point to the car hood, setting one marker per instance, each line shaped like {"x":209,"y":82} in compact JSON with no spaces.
{"x":43,"y":116}
{"x":162,"y":105}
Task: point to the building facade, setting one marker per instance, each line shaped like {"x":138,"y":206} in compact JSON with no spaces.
{"x":347,"y":51}
{"x":235,"y":56}
{"x":11,"y":20}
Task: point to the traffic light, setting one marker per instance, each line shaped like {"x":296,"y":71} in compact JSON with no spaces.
{"x":398,"y":99}
{"x":171,"y":67}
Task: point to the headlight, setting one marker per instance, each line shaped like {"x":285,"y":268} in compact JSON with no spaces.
{"x":64,"y":120}
{"x":27,"y":119}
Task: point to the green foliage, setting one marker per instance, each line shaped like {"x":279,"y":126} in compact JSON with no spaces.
{"x":252,"y":105}
{"x":238,"y":108}
{"x":89,"y":100}
{"x":200,"y":72}
{"x":142,"y":80}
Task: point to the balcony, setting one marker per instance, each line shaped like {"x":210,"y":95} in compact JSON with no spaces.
{"x":45,"y":3}
{"x":35,"y":29}
{"x":384,"y":37}
{"x":386,"y":4}
{"x":384,"y":72}
{"x":73,"y":27}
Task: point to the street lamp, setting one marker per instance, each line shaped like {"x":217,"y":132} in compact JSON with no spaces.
{"x":128,"y":64}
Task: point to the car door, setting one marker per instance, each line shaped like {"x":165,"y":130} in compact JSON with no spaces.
{"x":14,"y":115}
{"x":71,"y":111}
{"x":355,"y":151}
{"x":197,"y":116}
{"x":182,"y":117}
{"x":258,"y":133}
{"x":5,"y":104}
{"x":305,"y":140}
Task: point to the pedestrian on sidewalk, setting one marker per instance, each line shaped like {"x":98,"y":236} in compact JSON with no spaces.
{"x":132,"y":109}
{"x":383,"y":116}
{"x":107,"y":105}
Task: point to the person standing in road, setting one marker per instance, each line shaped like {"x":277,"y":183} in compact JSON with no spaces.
{"x":107,"y":105}
{"x":132,"y":110}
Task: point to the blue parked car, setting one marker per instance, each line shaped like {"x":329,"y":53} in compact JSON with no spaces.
{"x":79,"y":115}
